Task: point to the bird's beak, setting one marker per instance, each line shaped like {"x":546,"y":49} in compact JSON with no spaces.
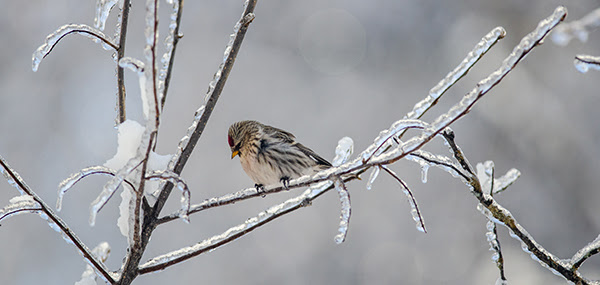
{"x":234,"y":153}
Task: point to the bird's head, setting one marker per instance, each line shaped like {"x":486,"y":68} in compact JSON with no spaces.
{"x":238,"y":134}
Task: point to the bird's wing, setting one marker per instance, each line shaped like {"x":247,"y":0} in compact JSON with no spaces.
{"x":310,"y":153}
{"x":279,"y":134}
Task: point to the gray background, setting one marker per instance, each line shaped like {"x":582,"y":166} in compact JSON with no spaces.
{"x":322,"y":70}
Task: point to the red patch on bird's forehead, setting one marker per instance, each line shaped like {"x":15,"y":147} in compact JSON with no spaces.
{"x":230,"y":141}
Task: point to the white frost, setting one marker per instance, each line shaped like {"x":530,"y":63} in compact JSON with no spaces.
{"x":129,"y":138}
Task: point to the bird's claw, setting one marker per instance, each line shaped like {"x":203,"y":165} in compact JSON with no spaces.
{"x":286,"y":182}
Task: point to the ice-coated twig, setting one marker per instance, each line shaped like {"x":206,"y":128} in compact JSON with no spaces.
{"x":373,"y":176}
{"x":359,"y":164}
{"x":60,"y":33}
{"x":111,"y":186}
{"x":459,"y":72}
{"x":440,"y":161}
{"x":20,"y":205}
{"x":188,"y":142}
{"x":492,"y":238}
{"x":579,"y":29}
{"x":89,"y":275}
{"x":122,"y":35}
{"x":168,"y":58}
{"x":414,"y":207}
{"x":586,"y":252}
{"x":305,"y":199}
{"x":490,"y":208}
{"x":56,"y":222}
{"x":68,"y":183}
{"x":181,"y":185}
{"x":346,"y":210}
{"x":583,"y":63}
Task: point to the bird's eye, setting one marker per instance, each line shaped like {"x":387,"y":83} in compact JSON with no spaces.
{"x":230,"y":141}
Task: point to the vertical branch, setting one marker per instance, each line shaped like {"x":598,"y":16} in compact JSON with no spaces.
{"x":130,"y":269}
{"x":176,"y":38}
{"x":121,"y":117}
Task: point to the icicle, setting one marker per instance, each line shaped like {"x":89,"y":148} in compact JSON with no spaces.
{"x":373,"y":176}
{"x":343,"y":150}
{"x":424,"y":170}
{"x":345,"y":210}
{"x":103,"y":8}
{"x":53,"y":38}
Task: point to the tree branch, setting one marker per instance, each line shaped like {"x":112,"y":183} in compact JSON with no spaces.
{"x":64,"y":228}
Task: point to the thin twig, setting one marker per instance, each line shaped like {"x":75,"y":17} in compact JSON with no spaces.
{"x":121,"y":96}
{"x":176,"y":38}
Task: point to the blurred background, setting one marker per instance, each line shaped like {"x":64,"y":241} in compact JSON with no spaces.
{"x":322,"y":69}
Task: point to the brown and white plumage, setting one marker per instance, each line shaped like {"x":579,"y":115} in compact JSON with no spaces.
{"x":270,"y":155}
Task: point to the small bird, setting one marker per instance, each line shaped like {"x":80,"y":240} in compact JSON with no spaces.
{"x":270,"y":155}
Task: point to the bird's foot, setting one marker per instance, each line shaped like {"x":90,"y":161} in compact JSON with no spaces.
{"x":260,"y":189}
{"x":286,"y":182}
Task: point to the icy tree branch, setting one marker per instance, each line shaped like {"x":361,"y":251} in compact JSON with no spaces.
{"x":60,"y":33}
{"x":121,"y":94}
{"x":498,"y":214}
{"x":55,"y":221}
{"x":387,"y":148}
{"x":372,"y":153}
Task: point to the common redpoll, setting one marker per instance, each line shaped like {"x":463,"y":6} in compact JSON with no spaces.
{"x":270,"y":155}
